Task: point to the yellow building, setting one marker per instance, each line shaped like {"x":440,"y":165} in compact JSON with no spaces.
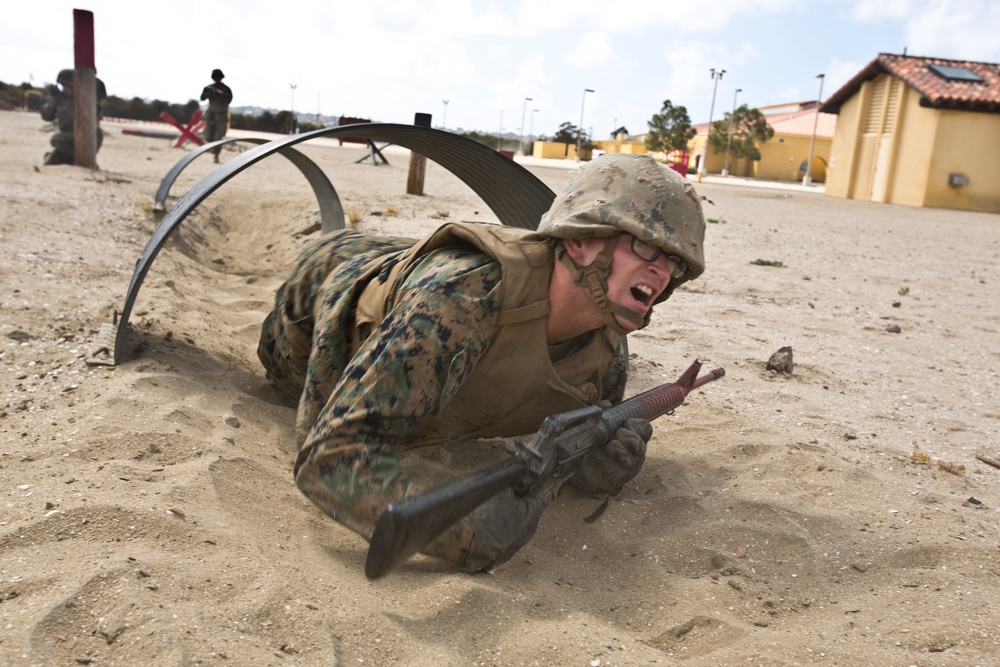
{"x":784,"y":156}
{"x":557,"y":150}
{"x":920,"y":132}
{"x":621,"y":145}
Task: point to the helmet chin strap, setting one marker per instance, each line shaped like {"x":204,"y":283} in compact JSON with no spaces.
{"x":593,"y":277}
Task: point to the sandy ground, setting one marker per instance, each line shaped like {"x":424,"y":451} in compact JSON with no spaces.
{"x":834,"y":516}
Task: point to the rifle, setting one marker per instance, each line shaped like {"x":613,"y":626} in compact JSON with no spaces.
{"x":410,"y":524}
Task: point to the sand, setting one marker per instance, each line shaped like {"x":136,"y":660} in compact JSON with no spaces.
{"x":834,"y":516}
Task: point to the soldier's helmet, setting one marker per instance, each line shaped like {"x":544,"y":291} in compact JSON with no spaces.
{"x":65,"y":77}
{"x":636,"y":194}
{"x":217,"y":75}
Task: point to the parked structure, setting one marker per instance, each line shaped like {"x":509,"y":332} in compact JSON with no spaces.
{"x":918,"y":131}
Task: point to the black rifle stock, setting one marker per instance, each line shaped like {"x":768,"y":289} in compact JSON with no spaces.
{"x":410,"y":524}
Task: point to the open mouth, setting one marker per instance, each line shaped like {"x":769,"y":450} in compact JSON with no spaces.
{"x":643,"y":294}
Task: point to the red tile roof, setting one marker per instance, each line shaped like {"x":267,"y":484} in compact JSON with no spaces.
{"x":935,"y":91}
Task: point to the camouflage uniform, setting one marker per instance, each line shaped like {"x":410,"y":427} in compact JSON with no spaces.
{"x":216,"y":117}
{"x":358,"y":412}
{"x":390,"y":343}
{"x":59,"y":108}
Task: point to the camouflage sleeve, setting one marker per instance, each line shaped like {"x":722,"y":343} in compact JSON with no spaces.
{"x":50,"y":108}
{"x":443,"y":320}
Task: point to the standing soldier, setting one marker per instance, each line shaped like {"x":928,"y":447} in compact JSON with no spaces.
{"x":219,"y":96}
{"x":59,"y":108}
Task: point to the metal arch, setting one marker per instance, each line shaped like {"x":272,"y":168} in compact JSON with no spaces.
{"x":515,"y":195}
{"x":331,"y":212}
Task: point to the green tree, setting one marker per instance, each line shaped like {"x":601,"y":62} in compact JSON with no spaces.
{"x":749,"y":128}
{"x":566,"y":133}
{"x":669,"y":130}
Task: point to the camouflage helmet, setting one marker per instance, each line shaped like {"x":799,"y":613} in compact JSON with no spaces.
{"x":635,"y":194}
{"x":65,"y":77}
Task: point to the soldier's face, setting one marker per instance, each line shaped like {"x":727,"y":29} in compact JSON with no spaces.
{"x":634,"y":282}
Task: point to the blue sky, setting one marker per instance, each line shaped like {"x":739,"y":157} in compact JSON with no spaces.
{"x":387,"y":59}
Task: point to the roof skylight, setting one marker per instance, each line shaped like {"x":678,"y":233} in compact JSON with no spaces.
{"x":956,"y":74}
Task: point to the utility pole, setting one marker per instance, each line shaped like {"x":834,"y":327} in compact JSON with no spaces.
{"x":716,"y":77}
{"x":807,"y":179}
{"x":444,"y":116}
{"x":520,"y":141}
{"x":579,"y":131}
{"x":729,"y":141}
{"x":531,"y":130}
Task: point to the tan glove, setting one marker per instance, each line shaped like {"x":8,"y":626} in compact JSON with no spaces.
{"x":607,"y":469}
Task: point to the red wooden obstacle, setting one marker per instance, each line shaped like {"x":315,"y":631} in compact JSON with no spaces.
{"x":188,"y":132}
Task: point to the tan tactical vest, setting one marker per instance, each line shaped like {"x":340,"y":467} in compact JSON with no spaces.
{"x":515,"y":385}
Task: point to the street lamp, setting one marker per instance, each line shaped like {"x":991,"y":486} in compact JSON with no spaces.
{"x":579,"y":132}
{"x":531,"y":129}
{"x":520,"y":141}
{"x":729,"y":142}
{"x":291,"y":122}
{"x":444,"y":116}
{"x":716,"y":77}
{"x":500,"y":131}
{"x":807,"y":179}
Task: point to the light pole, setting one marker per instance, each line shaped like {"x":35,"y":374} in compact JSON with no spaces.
{"x":520,"y":141}
{"x":500,"y":131}
{"x":579,"y":132}
{"x":729,"y":142}
{"x":531,"y":130}
{"x":807,"y":179}
{"x":293,"y":86}
{"x":444,"y":116}
{"x":716,"y":77}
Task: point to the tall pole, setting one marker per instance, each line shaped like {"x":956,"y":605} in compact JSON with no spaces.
{"x":716,"y":77}
{"x":444,"y":116}
{"x":317,"y":109}
{"x":579,"y":131}
{"x":500,"y":131}
{"x":729,"y":142}
{"x":520,"y":141}
{"x":531,"y":130}
{"x":293,"y":86}
{"x":85,"y":121}
{"x":807,"y":179}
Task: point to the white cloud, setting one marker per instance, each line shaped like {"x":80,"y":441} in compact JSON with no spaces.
{"x":961,"y":29}
{"x":592,"y":50}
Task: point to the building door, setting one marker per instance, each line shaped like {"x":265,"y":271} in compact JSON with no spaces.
{"x":875,"y":155}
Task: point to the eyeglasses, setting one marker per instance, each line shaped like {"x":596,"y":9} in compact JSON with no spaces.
{"x":649,"y":253}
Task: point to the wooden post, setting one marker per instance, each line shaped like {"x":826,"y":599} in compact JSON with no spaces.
{"x":84,"y":90}
{"x":415,"y":178}
{"x":418,"y":163}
